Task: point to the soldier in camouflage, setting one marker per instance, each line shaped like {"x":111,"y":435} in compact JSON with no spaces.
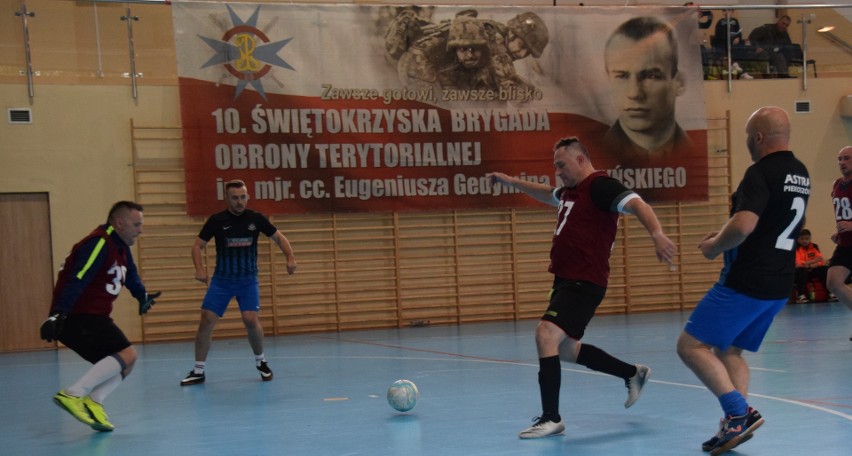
{"x":523,"y":35}
{"x":404,"y":29}
{"x":436,"y":57}
{"x":467,"y":43}
{"x":455,"y":59}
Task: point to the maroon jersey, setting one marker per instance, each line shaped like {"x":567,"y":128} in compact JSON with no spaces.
{"x":585,"y":228}
{"x":841,"y":197}
{"x":94,"y":273}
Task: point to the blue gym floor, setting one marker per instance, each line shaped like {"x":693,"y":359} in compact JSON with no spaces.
{"x":478,"y":389}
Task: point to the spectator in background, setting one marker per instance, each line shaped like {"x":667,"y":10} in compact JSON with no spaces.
{"x":734,"y":36}
{"x":725,"y":38}
{"x":809,"y":264}
{"x":773,"y":41}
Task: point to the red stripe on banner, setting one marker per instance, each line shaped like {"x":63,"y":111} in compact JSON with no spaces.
{"x":300,"y":158}
{"x":293,"y":164}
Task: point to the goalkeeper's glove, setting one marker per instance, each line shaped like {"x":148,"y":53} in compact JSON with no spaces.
{"x":51,"y":329}
{"x":147,"y":301}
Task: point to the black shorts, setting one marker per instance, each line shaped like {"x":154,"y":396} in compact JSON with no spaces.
{"x":842,"y":257}
{"x":93,"y":337}
{"x":573,"y":304}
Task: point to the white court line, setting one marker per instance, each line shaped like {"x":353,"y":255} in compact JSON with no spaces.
{"x":764,"y":396}
{"x":587,"y":372}
{"x":454,"y":357}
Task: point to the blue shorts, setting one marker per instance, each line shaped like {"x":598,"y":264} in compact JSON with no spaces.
{"x":220,"y":292}
{"x":725,"y":317}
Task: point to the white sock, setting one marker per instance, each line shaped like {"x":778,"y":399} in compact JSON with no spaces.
{"x":100,"y":372}
{"x":103,"y":390}
{"x":259,"y":358}
{"x":199,"y":367}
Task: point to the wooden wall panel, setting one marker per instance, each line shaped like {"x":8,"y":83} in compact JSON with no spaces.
{"x":26,"y":275}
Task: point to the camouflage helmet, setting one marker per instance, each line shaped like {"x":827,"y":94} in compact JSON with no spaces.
{"x":466,"y":31}
{"x":531,"y":29}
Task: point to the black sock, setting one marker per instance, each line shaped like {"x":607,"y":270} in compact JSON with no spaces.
{"x":596,"y":359}
{"x":549,"y":381}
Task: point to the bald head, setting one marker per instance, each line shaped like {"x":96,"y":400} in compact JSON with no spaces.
{"x":767,"y":131}
{"x":844,"y":161}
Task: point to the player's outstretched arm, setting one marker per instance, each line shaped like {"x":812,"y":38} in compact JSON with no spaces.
{"x":664,"y":247}
{"x":541,"y":192}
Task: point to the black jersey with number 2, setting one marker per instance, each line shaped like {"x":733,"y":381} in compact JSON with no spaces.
{"x":776,"y":188}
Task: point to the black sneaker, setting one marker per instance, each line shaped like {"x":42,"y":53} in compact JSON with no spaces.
{"x":736,"y":430}
{"x":192,"y":379}
{"x":265,"y":371}
{"x":709,"y":444}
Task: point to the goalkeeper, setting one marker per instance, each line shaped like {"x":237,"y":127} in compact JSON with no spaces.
{"x":89,"y":280}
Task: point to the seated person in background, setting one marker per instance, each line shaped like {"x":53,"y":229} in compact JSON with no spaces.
{"x":772,"y":40}
{"x":809,"y":264}
{"x":723,"y":39}
{"x":719,"y":42}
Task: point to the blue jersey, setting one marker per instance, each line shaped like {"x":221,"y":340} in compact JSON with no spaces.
{"x":236,"y":241}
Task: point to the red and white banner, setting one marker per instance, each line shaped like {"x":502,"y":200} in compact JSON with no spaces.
{"x":341,"y":108}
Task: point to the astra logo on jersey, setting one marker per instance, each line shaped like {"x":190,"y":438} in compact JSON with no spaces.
{"x":239,"y":242}
{"x":797,"y":184}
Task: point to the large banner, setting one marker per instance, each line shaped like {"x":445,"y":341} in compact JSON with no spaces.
{"x":336,"y":108}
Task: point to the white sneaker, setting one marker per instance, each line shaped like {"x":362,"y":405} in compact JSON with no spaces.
{"x":542,"y":428}
{"x":635,"y":383}
{"x":746,"y":76}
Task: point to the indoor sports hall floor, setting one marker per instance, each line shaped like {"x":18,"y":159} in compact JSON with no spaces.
{"x":478,"y":388}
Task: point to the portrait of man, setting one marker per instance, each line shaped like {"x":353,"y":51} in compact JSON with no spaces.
{"x":641,"y":60}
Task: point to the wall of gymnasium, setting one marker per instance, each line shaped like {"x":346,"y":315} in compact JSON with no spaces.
{"x":78,"y":148}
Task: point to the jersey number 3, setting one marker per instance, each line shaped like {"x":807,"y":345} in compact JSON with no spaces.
{"x":117,"y":272}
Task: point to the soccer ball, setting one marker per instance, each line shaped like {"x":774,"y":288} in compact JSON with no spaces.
{"x":402,"y":395}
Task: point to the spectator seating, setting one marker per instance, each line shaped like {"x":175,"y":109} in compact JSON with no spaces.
{"x":797,"y":59}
